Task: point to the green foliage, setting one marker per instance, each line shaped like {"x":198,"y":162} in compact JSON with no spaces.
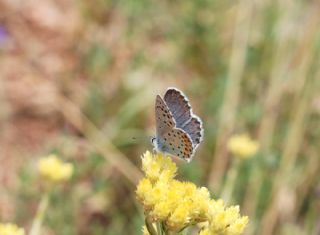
{"x":124,"y":53}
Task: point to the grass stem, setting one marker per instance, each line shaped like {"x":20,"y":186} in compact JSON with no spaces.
{"x":38,"y":219}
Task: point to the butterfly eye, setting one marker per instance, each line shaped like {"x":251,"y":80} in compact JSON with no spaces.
{"x":153,"y":139}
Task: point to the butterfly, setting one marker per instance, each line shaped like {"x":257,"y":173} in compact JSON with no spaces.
{"x":178,"y":131}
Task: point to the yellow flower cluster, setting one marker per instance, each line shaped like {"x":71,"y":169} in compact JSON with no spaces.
{"x":178,"y":205}
{"x":222,"y":220}
{"x":54,"y":170}
{"x":10,"y":229}
{"x":242,"y":146}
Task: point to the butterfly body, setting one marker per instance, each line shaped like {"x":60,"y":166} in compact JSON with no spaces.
{"x":178,"y":131}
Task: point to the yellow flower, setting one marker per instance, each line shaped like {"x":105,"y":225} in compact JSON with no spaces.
{"x":158,"y":166}
{"x":200,"y":203}
{"x":204,"y":232}
{"x":238,"y":225}
{"x":242,"y":146}
{"x":10,"y":229}
{"x":143,"y":192}
{"x":179,"y":217}
{"x":54,"y":170}
{"x":225,"y":221}
{"x":178,"y":205}
{"x":161,"y":211}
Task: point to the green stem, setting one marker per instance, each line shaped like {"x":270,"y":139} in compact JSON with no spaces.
{"x":38,"y":219}
{"x":230,"y":182}
{"x":150,"y":227}
{"x":159,"y":228}
{"x":164,"y":230}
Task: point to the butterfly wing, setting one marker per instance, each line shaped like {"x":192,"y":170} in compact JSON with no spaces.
{"x":164,"y":119}
{"x":178,"y":105}
{"x":170,"y":139}
{"x":178,"y":143}
{"x":182,"y":113}
{"x":194,"y":130}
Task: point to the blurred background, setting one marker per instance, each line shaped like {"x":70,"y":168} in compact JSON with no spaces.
{"x":79,"y":79}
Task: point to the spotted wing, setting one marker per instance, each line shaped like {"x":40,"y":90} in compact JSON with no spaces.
{"x":178,"y":105}
{"x":164,"y":119}
{"x":181,"y":110}
{"x":178,"y":143}
{"x":194,"y":129}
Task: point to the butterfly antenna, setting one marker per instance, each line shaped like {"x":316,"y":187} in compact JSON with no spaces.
{"x":141,"y":138}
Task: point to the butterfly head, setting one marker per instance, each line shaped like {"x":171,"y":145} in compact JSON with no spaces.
{"x":153,"y":140}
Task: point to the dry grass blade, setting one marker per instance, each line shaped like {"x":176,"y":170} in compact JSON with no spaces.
{"x":279,"y":77}
{"x":297,"y":127}
{"x":231,"y":98}
{"x":99,"y":141}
